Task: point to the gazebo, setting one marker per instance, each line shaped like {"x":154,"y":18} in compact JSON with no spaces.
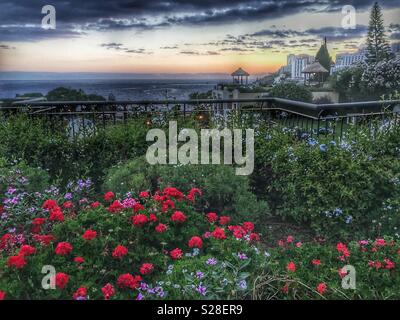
{"x":238,"y":75}
{"x":315,"y":69}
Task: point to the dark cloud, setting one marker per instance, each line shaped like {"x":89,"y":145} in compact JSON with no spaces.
{"x":75,"y":16}
{"x":120,"y":47}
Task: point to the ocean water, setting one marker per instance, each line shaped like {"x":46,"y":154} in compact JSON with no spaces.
{"x":122,"y":89}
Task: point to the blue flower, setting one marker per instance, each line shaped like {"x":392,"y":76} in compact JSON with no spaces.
{"x":349,"y":219}
{"x":322,"y":147}
{"x":242,"y":284}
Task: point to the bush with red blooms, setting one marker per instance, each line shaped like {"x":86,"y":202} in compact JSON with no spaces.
{"x":152,"y":246}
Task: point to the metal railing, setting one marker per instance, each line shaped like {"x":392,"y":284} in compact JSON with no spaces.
{"x":84,"y":117}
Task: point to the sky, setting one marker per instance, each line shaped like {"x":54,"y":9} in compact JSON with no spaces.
{"x":178,"y":36}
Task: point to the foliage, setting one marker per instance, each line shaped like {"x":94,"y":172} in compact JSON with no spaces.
{"x":291,"y":91}
{"x":223,"y":190}
{"x":340,"y":190}
{"x":92,"y":244}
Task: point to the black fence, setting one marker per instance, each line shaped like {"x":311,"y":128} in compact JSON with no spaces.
{"x":80,"y":118}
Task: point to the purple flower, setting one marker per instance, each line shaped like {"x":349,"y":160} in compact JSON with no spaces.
{"x":199,"y":275}
{"x":202,"y":290}
{"x":211,"y":262}
{"x":242,"y":284}
{"x":68,"y":196}
{"x":139,"y":296}
{"x":242,"y":256}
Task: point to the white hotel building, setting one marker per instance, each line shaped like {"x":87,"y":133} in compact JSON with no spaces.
{"x":344,"y":60}
{"x":296,"y":64}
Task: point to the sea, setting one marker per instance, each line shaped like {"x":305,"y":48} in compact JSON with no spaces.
{"x":124,"y":87}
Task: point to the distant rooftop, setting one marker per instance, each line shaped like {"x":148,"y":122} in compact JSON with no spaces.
{"x":240,"y":72}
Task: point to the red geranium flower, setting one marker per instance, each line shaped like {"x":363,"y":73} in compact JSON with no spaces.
{"x":128,"y":281}
{"x":49,"y":204}
{"x":63,"y":248}
{"x":68,"y":205}
{"x":137,"y":207}
{"x":95,"y":204}
{"x":289,"y":239}
{"x":109,"y":196}
{"x":192,"y":193}
{"x":176,"y":254}
{"x":2,"y":295}
{"x":238,"y":231}
{"x":115,"y":207}
{"x":108,"y":291}
{"x":16,"y":261}
{"x":61,"y":280}
{"x":80,"y":293}
{"x":43,"y":239}
{"x":160,"y":228}
{"x":248,"y":226}
{"x":212,"y":217}
{"x":56,"y":215}
{"x":26,"y":250}
{"x":254,"y":237}
{"x":219,"y":234}
{"x":144,"y":194}
{"x":316,"y":262}
{"x":146,"y":268}
{"x":79,"y":260}
{"x":321,"y":288}
{"x":195,"y":242}
{"x":291,"y":266}
{"x":173,"y":193}
{"x":153,"y":218}
{"x":167,"y":204}
{"x":223,"y":220}
{"x":119,"y":252}
{"x":89,"y":235}
{"x":178,"y":216}
{"x":139,"y":220}
{"x":380,"y":242}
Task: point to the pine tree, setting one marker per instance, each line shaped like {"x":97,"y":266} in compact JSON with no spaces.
{"x":378,"y":48}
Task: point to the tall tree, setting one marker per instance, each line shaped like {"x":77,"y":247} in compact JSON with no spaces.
{"x":323,"y":56}
{"x":378,"y":48}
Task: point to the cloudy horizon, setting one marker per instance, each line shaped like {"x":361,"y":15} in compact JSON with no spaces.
{"x":180,"y":36}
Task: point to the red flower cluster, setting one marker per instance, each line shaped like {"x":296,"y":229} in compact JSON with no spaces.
{"x":160,"y":228}
{"x":43,"y":239}
{"x":81,"y":293}
{"x":212,"y":217}
{"x":195,"y":242}
{"x":146,"y":268}
{"x":128,"y":281}
{"x":63,"y":249}
{"x":108,"y":291}
{"x":108,"y":196}
{"x":144,"y":194}
{"x":56,"y":215}
{"x":178,"y":216}
{"x":176,"y":254}
{"x":291,"y":267}
{"x":79,"y":260}
{"x":119,"y":252}
{"x":26,"y":250}
{"x":219,"y":234}
{"x":342,"y":248}
{"x":89,"y":235}
{"x":223,"y":220}
{"x":139,"y":220}
{"x":115,"y":207}
{"x":16,"y":261}
{"x":173,"y":193}
{"x":61,"y":280}
{"x":192,"y":194}
{"x":37,"y":224}
{"x":321,"y":288}
{"x":2,"y":295}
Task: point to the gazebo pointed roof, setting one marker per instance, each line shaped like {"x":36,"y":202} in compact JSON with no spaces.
{"x":316,"y":67}
{"x":240,"y":72}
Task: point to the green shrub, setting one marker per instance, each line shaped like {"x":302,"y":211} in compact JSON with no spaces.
{"x":225,"y":192}
{"x":291,"y":91}
{"x":23,"y":177}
